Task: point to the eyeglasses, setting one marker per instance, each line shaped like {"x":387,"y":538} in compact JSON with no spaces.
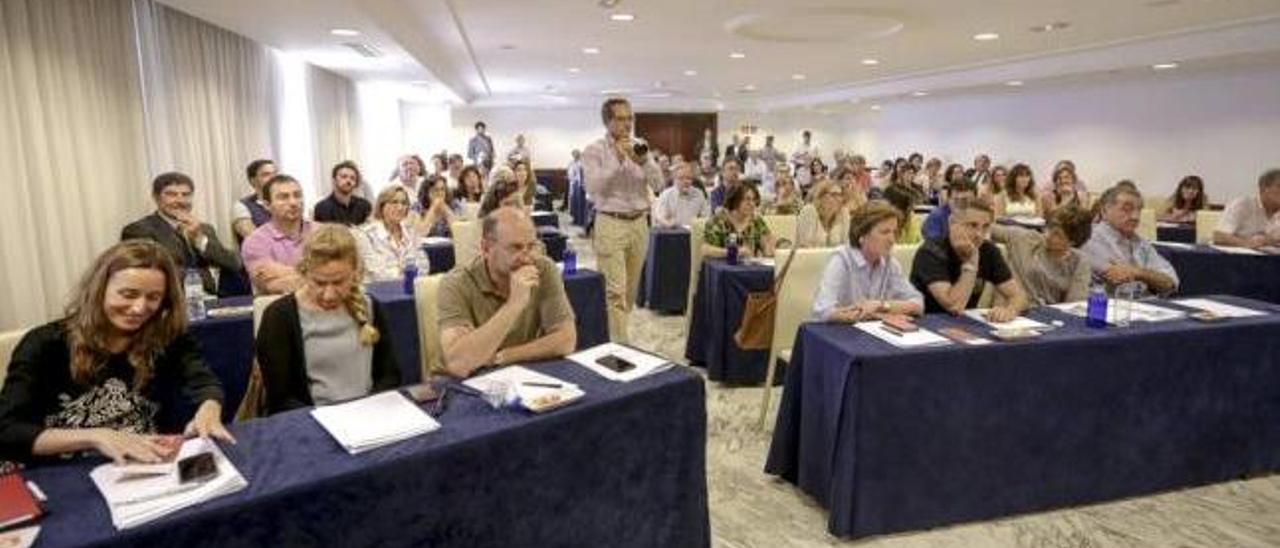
{"x":398,"y":202}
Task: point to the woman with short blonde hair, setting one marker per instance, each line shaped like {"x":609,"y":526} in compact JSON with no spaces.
{"x":390,"y":242}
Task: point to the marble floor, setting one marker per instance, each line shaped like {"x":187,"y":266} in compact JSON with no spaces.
{"x":752,"y":509}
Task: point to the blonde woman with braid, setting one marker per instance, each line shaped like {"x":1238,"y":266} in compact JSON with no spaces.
{"x":326,"y":342}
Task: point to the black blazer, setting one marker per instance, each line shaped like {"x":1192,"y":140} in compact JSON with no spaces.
{"x":283,"y":360}
{"x":154,"y":227}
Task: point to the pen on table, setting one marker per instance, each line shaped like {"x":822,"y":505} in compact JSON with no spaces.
{"x":542,"y":384}
{"x":892,"y":330}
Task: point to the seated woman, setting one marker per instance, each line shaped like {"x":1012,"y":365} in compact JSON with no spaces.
{"x":1050,"y":266}
{"x":502,"y":193}
{"x":526,"y":185}
{"x":1185,"y":202}
{"x":1019,"y":196}
{"x":326,"y":342}
{"x":825,"y":222}
{"x":855,"y":196}
{"x":863,"y":281}
{"x":993,"y":187}
{"x":903,"y":199}
{"x":1064,"y":193}
{"x":787,"y":200}
{"x":100,"y":378}
{"x":738,"y":216}
{"x":438,"y":210}
{"x":389,"y":242}
{"x":470,"y":193}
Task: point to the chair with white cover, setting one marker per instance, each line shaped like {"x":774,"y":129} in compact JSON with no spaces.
{"x":906,"y":256}
{"x":794,"y":305}
{"x":1206,"y":223}
{"x":466,"y":242}
{"x":8,"y":343}
{"x":1147,"y":224}
{"x":425,"y":289}
{"x":255,"y":395}
{"x":697,"y":229}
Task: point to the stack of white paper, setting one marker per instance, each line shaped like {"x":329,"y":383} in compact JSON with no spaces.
{"x":135,"y":499}
{"x":536,"y":391}
{"x":375,"y":421}
{"x":1020,"y":322}
{"x":919,"y":338}
{"x":1220,"y":309}
{"x":1138,"y":311}
{"x":1237,"y":250}
{"x":436,"y":240}
{"x":645,"y":363}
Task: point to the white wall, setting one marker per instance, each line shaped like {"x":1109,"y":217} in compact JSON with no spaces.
{"x":1223,"y":126}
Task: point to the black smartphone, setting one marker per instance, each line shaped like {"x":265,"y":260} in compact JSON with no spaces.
{"x":197,"y":468}
{"x":615,"y":364}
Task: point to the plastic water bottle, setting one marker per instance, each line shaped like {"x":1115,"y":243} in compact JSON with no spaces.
{"x":570,"y":260}
{"x":731,"y":249}
{"x":1096,"y":312}
{"x":193,"y":286}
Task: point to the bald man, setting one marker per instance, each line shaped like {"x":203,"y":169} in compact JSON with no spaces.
{"x":508,"y":305}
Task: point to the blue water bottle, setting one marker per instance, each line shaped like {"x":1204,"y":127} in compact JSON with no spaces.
{"x":1096,"y":313}
{"x":410,"y":276}
{"x":570,"y":260}
{"x":731,"y":249}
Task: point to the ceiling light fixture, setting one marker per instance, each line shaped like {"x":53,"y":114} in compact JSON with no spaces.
{"x":1013,"y":83}
{"x":623,"y":17}
{"x":737,"y":55}
{"x":870,"y":62}
{"x":1164,"y":66}
{"x":690,"y":72}
{"x":344,"y":32}
{"x":574,"y":70}
{"x":875,"y":107}
{"x":1050,"y":27}
{"x":986,"y":36}
{"x":749,"y":87}
{"x":591,"y":50}
{"x":920,"y":93}
{"x":797,"y":77}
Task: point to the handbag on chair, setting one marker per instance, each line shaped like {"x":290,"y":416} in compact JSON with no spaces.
{"x":755,"y":332}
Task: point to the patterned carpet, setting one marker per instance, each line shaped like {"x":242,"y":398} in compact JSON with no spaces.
{"x":752,"y":509}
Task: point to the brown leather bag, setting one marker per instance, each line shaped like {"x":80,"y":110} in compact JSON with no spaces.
{"x":756,"y":330}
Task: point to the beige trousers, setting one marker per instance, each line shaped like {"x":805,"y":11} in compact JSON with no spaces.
{"x":620,"y":248}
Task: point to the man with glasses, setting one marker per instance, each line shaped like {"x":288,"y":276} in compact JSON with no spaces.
{"x":681,"y":203}
{"x":1118,"y":255}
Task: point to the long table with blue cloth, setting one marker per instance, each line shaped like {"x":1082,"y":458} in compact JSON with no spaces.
{"x":718,"y":307}
{"x":1205,"y":270}
{"x":623,"y":467}
{"x":664,"y":282}
{"x":891,"y":439}
{"x":227,"y":343}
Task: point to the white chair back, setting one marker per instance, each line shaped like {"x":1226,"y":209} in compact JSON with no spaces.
{"x":466,"y":242}
{"x":794,"y":305}
{"x":255,"y":392}
{"x":425,"y":289}
{"x":1206,"y":223}
{"x":782,"y":226}
{"x":8,"y":343}
{"x":697,"y":230}
{"x":906,"y":256}
{"x":1147,"y":224}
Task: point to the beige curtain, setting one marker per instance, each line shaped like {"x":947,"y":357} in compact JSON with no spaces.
{"x":71,"y":143}
{"x":334,"y":123}
{"x":211,"y":98}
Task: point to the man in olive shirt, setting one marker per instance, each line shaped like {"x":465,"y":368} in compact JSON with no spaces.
{"x":508,"y":305}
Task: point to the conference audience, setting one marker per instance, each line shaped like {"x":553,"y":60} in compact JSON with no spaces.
{"x":1118,"y":255}
{"x":1253,"y":221}
{"x":192,"y":244}
{"x":251,"y":212}
{"x":327,"y":341}
{"x":409,"y":173}
{"x":938,"y":222}
{"x":739,"y":217}
{"x":508,"y":306}
{"x":825,"y":221}
{"x":389,"y":243}
{"x":993,"y":187}
{"x":862,"y":280}
{"x":470,"y":192}
{"x":930,"y":177}
{"x":272,"y":251}
{"x":730,"y":174}
{"x":438,"y":209}
{"x":1019,"y":196}
{"x":1187,"y":199}
{"x":904,"y":200}
{"x":786,"y":197}
{"x":105,"y":376}
{"x":502,"y":193}
{"x":1049,"y":265}
{"x":1063,"y":192}
{"x":680,"y":203}
{"x":342,"y":206}
{"x":952,"y":271}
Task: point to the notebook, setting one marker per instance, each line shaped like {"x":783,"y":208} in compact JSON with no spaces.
{"x":137,"y":499}
{"x":18,"y":506}
{"x":398,"y":419}
{"x":644,"y":362}
{"x":915,"y":339}
{"x":1220,"y":309}
{"x":1020,"y":322}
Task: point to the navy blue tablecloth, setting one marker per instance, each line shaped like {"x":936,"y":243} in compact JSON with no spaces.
{"x":718,"y":305}
{"x":664,"y":282}
{"x":1206,"y":271}
{"x":555,"y":242}
{"x":227,"y":343}
{"x":440,"y":255}
{"x":546,"y":218}
{"x":1183,"y":233}
{"x":890,"y":439}
{"x":623,"y":467}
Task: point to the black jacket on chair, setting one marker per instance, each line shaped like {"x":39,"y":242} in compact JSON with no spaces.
{"x":156,"y":228}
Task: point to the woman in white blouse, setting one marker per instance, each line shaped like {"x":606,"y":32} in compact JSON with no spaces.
{"x":825,"y":221}
{"x":389,"y":242}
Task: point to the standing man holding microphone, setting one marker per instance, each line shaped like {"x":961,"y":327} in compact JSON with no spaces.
{"x":619,"y":173}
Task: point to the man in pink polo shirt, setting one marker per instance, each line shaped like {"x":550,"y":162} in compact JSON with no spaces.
{"x":273,"y":250}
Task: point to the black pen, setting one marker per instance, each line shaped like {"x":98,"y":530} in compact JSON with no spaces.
{"x":542,"y":384}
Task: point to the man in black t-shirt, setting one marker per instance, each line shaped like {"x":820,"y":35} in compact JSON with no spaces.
{"x":343,"y":206}
{"x":953,"y":271}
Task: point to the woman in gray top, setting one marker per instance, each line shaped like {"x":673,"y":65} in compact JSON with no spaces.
{"x":1050,"y":265}
{"x":327,"y":341}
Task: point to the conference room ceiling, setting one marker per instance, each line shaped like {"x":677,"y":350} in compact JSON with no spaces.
{"x":676,"y":54}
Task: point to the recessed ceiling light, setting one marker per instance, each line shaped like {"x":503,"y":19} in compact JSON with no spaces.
{"x":986,"y":36}
{"x":507,"y":47}
{"x":737,"y":55}
{"x":1014,"y":83}
{"x":574,"y":70}
{"x":1164,"y":66}
{"x":749,"y":87}
{"x":344,"y":32}
{"x":920,"y":93}
{"x":690,"y":72}
{"x":421,"y":82}
{"x":591,"y":50}
{"x":870,"y":62}
{"x":1050,"y":27}
{"x":622,"y":17}
{"x":875,"y":107}
{"x":797,"y":77}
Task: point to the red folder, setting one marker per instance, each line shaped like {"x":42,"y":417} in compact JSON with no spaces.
{"x":17,"y":505}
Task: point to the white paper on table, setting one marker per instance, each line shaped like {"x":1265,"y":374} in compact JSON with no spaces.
{"x":1020,"y":322}
{"x":645,"y":363}
{"x":1162,"y":224}
{"x":134,"y":500}
{"x":398,"y":419}
{"x":1076,"y":308}
{"x":1220,"y":309}
{"x":1145,"y":312}
{"x":22,"y":537}
{"x":762,"y":261}
{"x":437,"y":240}
{"x":518,"y":377}
{"x":1237,"y":250}
{"x":1175,"y":245}
{"x":916,"y":339}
